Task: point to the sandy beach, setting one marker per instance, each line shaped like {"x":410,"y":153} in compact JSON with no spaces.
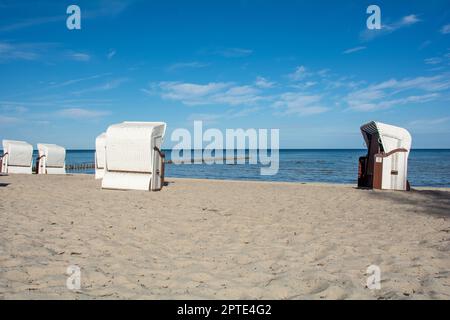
{"x":206,"y":239}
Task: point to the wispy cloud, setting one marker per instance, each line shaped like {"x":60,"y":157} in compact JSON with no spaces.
{"x":7,"y":120}
{"x":434,"y":60}
{"x":74,"y":81}
{"x":20,"y":51}
{"x":424,"y":44}
{"x":98,"y":9}
{"x":11,"y":114}
{"x":445,"y":29}
{"x":228,"y":115}
{"x":356,"y":49}
{"x":429,"y":122}
{"x":232,"y":52}
{"x":387,"y":94}
{"x":79,"y":113}
{"x":299,"y":73}
{"x":184,"y":65}
{"x":205,"y":94}
{"x":79,"y":56}
{"x":299,"y":103}
{"x":406,"y":21}
{"x":263,"y":83}
{"x":26,"y":23}
{"x":111,"y":54}
{"x":16,"y":109}
{"x":109,"y":85}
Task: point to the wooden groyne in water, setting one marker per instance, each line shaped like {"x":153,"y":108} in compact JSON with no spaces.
{"x":80,"y":166}
{"x":91,"y":166}
{"x":209,"y":160}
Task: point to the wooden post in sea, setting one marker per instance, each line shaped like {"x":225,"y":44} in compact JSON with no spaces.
{"x":87,"y":166}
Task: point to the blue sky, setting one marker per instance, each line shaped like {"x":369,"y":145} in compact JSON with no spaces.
{"x":310,"y":68}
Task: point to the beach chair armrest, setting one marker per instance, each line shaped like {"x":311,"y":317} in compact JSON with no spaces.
{"x":390,"y":153}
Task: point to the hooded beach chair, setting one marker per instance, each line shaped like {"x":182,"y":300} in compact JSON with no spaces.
{"x":133,"y":156}
{"x":51,"y":159}
{"x":386,"y":164}
{"x":100,"y":156}
{"x":17,"y":157}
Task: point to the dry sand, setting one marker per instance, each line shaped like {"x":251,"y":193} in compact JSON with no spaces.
{"x":220,"y":239}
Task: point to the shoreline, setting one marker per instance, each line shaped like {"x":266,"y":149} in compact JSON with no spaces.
{"x":318,"y":183}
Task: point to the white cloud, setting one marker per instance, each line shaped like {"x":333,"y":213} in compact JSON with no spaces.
{"x":424,"y":44}
{"x":435,"y":60}
{"x":205,"y":94}
{"x":387,"y":94}
{"x":323,"y":73}
{"x":31,"y":23}
{"x":73,"y":81}
{"x":228,"y":115}
{"x":183,"y":65}
{"x":356,"y":49}
{"x":109,"y":85}
{"x":7,"y":120}
{"x":304,"y":85}
{"x":445,"y":29}
{"x":79,"y":113}
{"x":298,"y":74}
{"x":301,"y":73}
{"x":429,"y":122}
{"x":406,"y":21}
{"x":438,"y":60}
{"x":299,"y":103}
{"x":234,"y":52}
{"x":100,"y":8}
{"x":10,"y":108}
{"x":385,"y":104}
{"x":111,"y":54}
{"x":17,"y":51}
{"x":79,"y":56}
{"x":263,"y":83}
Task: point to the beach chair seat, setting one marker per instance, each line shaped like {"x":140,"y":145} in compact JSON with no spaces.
{"x":134,"y":160}
{"x":17,"y":157}
{"x":51,"y":159}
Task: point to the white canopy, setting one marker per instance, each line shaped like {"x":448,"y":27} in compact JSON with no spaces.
{"x":129,"y":145}
{"x":19,"y":157}
{"x":131,"y":161}
{"x":52,"y":159}
{"x":55,"y":155}
{"x":391,"y":137}
{"x":100,"y":155}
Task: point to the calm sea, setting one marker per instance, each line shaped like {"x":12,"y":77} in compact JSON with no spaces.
{"x":426,"y":167}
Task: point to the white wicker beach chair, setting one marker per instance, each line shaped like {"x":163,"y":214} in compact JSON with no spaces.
{"x":17,"y":157}
{"x":133,"y":156}
{"x":100,"y":156}
{"x":386,"y":164}
{"x":51,"y":159}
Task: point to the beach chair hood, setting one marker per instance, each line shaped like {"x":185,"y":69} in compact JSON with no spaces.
{"x":52,"y":159}
{"x":100,"y":156}
{"x":131,"y":159}
{"x":391,"y":137}
{"x":18,"y":157}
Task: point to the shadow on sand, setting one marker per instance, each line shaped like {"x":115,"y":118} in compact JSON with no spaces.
{"x":433,"y":202}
